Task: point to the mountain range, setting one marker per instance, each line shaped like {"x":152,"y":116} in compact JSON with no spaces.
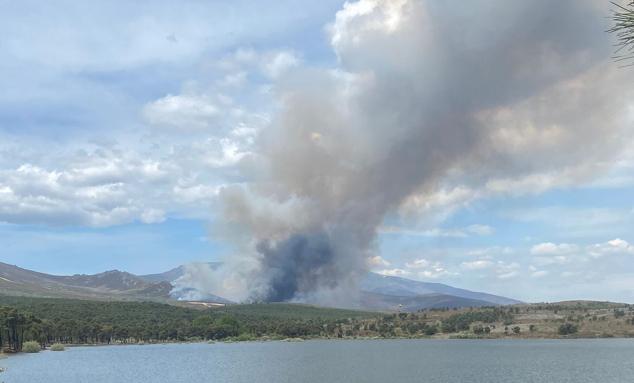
{"x":378,"y":292}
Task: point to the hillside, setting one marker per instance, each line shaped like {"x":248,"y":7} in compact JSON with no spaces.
{"x":173,"y":274}
{"x":114,"y":284}
{"x":378,"y":292}
{"x":381,"y":292}
{"x":403,"y":287}
{"x":410,"y":303}
{"x":49,"y":320}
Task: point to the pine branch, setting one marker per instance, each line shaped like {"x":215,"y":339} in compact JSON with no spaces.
{"x":623,"y":28}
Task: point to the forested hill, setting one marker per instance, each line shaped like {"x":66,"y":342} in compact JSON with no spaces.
{"x":68,"y":321}
{"x":50,"y":320}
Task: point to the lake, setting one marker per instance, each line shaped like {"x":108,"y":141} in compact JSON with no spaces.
{"x":323,"y":361}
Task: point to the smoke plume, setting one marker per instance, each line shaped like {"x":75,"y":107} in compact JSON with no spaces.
{"x":482,"y":94}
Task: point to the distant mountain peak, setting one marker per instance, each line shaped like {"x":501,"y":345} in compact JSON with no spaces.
{"x":378,"y":292}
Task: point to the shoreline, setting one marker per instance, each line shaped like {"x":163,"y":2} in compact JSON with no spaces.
{"x":307,"y":339}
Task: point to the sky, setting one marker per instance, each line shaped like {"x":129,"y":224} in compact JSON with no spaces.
{"x":121,"y":124}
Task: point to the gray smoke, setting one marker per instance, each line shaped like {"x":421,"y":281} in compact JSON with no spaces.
{"x":485,"y":94}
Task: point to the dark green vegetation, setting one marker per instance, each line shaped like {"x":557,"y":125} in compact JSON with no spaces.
{"x":568,"y":329}
{"x":16,"y":328}
{"x":66,"y":321}
{"x":463,"y":321}
{"x":287,"y":311}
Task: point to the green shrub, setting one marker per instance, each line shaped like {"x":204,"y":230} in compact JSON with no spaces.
{"x":244,"y":337}
{"x":57,"y":347}
{"x":31,"y":347}
{"x":567,"y":329}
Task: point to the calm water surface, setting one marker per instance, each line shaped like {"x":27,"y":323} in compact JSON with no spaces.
{"x":433,"y":361}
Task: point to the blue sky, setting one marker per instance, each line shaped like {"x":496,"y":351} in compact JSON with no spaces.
{"x":120,"y":125}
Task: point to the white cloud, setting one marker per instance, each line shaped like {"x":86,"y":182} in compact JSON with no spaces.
{"x":435,"y":232}
{"x":435,"y":272}
{"x":418,"y":264}
{"x":506,"y":270}
{"x":104,"y":186}
{"x":490,"y":252}
{"x":394,"y":272}
{"x":236,"y":79}
{"x":508,"y":275}
{"x":439,"y":205}
{"x":616,"y":246}
{"x":378,"y":261}
{"x":480,"y":264}
{"x":152,"y":216}
{"x":276,"y":64}
{"x":555,"y":260}
{"x":550,"y":253}
{"x":539,"y":274}
{"x":549,"y":248}
{"x":428,"y":269}
{"x":481,"y":229}
{"x":183,"y":112}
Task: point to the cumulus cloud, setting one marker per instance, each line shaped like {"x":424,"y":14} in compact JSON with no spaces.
{"x":276,"y":64}
{"x":616,"y":246}
{"x":103,"y":186}
{"x":549,"y":252}
{"x":394,"y":272}
{"x":192,"y":145}
{"x":427,"y":269}
{"x":418,"y":264}
{"x":183,"y":112}
{"x":479,"y":264}
{"x":434,"y":272}
{"x":378,"y":261}
{"x":549,"y":248}
{"x":92,"y":193}
{"x":152,"y":216}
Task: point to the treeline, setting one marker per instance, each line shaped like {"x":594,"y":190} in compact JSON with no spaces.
{"x":15,"y":328}
{"x":463,"y":321}
{"x":50,"y":321}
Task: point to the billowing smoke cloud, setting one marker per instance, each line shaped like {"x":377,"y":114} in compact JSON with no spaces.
{"x":483,"y":94}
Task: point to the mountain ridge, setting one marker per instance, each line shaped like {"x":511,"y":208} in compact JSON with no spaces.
{"x":378,"y":292}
